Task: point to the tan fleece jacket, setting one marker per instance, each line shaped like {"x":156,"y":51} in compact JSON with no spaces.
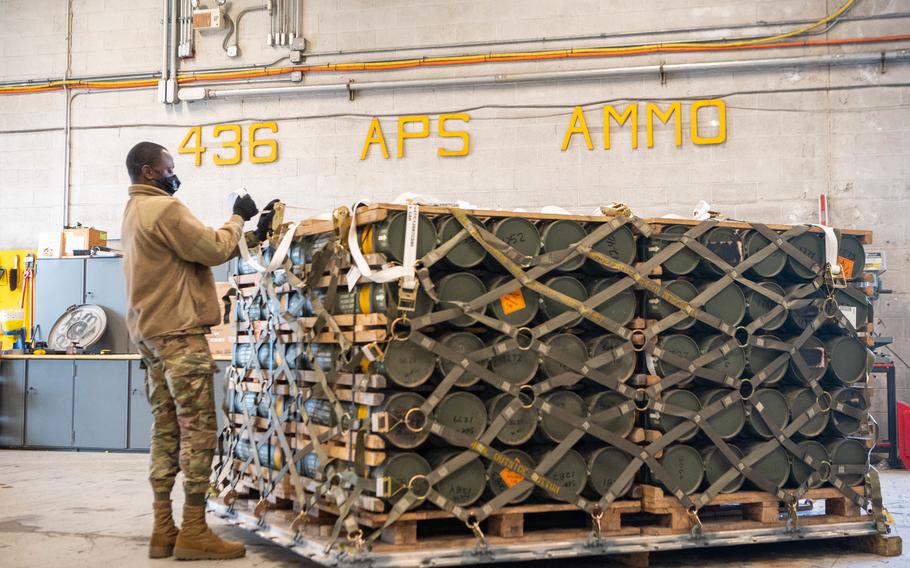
{"x":167,"y":253}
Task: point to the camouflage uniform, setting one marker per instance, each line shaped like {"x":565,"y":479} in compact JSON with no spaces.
{"x":179,"y":386}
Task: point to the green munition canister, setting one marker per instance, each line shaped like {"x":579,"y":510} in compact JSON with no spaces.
{"x":299,"y":305}
{"x":243,"y":355}
{"x":468,"y":253}
{"x":406,"y":363}
{"x":325,"y":356}
{"x":813,"y":246}
{"x":800,"y":471}
{"x":717,"y":464}
{"x":520,"y":427}
{"x":730,"y":420}
{"x":759,"y":359}
{"x":377,"y":298}
{"x":729,"y":305}
{"x":605,"y":400}
{"x":843,"y":424}
{"x":854,"y":305}
{"x":851,"y":256}
{"x":518,"y":233}
{"x":813,"y":353}
{"x":244,"y":267}
{"x":605,"y":465}
{"x":665,"y":421}
{"x":462,"y":412}
{"x":462,"y":486}
{"x":682,"y":262}
{"x":504,"y":474}
{"x":657,"y":308}
{"x":320,"y":411}
{"x":731,"y":364}
{"x":569,"y":286}
{"x":725,"y":243}
{"x":772,"y":265}
{"x":460,"y":287}
{"x":802,"y":311}
{"x":553,"y":429}
{"x":680,"y":345}
{"x":299,"y":250}
{"x":388,"y":237}
{"x":618,"y":368}
{"x":245,"y":399}
{"x":400,"y":434}
{"x":254,"y":310}
{"x":849,"y":361}
{"x":620,"y":308}
{"x":766,"y":406}
{"x":464,"y":343}
{"x":775,"y":467}
{"x":569,"y":473}
{"x":848,"y":452}
{"x":515,"y":366}
{"x":618,"y":245}
{"x":270,"y":457}
{"x":562,"y":234}
{"x":397,"y":472}
{"x":279,"y":275}
{"x":801,"y":399}
{"x":563,"y":347}
{"x":685,"y":466}
{"x":518,"y":307}
{"x":758,"y":306}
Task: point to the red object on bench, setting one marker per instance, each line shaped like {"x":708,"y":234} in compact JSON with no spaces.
{"x":903,"y":432}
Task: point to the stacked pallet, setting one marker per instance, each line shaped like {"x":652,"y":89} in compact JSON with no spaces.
{"x":617,"y":374}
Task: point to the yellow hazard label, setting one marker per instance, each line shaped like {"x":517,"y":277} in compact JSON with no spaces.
{"x":847,"y":265}
{"x":510,"y":478}
{"x":512,"y":302}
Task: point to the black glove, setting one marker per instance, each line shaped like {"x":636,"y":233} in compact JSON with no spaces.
{"x":265,"y":220}
{"x":245,"y":207}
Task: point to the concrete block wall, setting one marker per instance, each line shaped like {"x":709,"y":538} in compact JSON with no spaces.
{"x":782,"y":150}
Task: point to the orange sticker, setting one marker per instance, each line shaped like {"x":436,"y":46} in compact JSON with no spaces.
{"x":847,"y":265}
{"x":510,"y":477}
{"x":512,"y":302}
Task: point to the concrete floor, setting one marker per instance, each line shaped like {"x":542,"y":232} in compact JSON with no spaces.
{"x":93,"y":509}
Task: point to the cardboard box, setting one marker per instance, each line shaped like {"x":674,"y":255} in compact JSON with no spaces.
{"x":221,"y":339}
{"x":50,"y":245}
{"x":82,"y":239}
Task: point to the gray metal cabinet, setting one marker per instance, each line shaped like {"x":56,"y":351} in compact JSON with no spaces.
{"x":12,"y":402}
{"x":100,"y":404}
{"x":59,"y":284}
{"x":105,"y":285}
{"x":140,"y":424}
{"x":49,"y":404}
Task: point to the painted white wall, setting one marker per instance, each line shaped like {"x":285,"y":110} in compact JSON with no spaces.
{"x":782,"y":149}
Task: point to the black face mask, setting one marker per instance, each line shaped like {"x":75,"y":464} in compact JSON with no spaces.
{"x":170,"y":184}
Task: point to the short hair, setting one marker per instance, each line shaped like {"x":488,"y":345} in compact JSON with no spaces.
{"x":143,"y":153}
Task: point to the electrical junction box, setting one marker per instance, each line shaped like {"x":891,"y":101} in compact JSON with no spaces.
{"x":208,"y":19}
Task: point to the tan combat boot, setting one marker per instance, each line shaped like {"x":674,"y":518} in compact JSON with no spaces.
{"x":197,"y":542}
{"x":164,"y":533}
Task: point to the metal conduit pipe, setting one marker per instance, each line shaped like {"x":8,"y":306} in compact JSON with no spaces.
{"x":162,"y":83}
{"x":878,"y":57}
{"x":172,"y":74}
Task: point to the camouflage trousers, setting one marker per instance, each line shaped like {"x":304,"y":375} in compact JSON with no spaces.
{"x":179,"y":386}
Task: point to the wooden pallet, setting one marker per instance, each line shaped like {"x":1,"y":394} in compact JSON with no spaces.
{"x":742,"y":510}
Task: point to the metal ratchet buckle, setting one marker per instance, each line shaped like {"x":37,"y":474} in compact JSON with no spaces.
{"x":261,"y":508}
{"x":473,"y":524}
{"x":834,"y":281}
{"x":355,"y":539}
{"x":696,"y":522}
{"x":407,"y":298}
{"x":616,"y":208}
{"x":596,"y":518}
{"x":793,"y":518}
{"x":341,"y":223}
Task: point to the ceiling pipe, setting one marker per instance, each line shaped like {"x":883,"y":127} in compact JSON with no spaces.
{"x":660,"y":70}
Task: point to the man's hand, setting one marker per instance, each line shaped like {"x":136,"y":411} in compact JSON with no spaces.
{"x":265,"y":220}
{"x":245,"y":207}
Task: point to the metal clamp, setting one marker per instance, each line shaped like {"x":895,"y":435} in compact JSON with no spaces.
{"x":596,"y":516}
{"x":407,"y":298}
{"x":696,"y":522}
{"x":398,"y":335}
{"x":792,"y":516}
{"x":473,"y":524}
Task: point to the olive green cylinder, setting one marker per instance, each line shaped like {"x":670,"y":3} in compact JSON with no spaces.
{"x":616,"y":368}
{"x":463,"y":342}
{"x":813,"y":246}
{"x":801,"y":399}
{"x":399,"y":468}
{"x":800,"y":471}
{"x":682,"y":262}
{"x":685,"y":466}
{"x":842,"y":424}
{"x":517,"y":308}
{"x":847,"y":452}
{"x":520,"y":428}
{"x":851,"y":256}
{"x":665,"y":422}
{"x":462,"y":486}
{"x":515,"y":366}
{"x":813,"y":353}
{"x":570,"y":472}
{"x":463,"y":412}
{"x":728,"y":305}
{"x":565,"y":347}
{"x":517,"y":232}
{"x":727,"y":422}
{"x":772,"y":265}
{"x":459,"y":287}
{"x":397,"y":406}
{"x":551,"y":428}
{"x":569,"y":286}
{"x":774,"y":409}
{"x":388,"y":237}
{"x":759,"y":359}
{"x":406,"y":363}
{"x":621,"y":308}
{"x":849,"y":361}
{"x":800,"y":317}
{"x":619,"y":245}
{"x":731,"y":364}
{"x":657,"y":308}
{"x":466,"y":254}
{"x":725,"y":243}
{"x":758,"y":306}
{"x":717,"y":464}
{"x":560,"y":235}
{"x":680,"y":345}
{"x":775,"y":467}
{"x":604,"y":400}
{"x":299,"y":250}
{"x":376,"y":299}
{"x":854,"y":304}
{"x":501,"y":477}
{"x":605,"y":465}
